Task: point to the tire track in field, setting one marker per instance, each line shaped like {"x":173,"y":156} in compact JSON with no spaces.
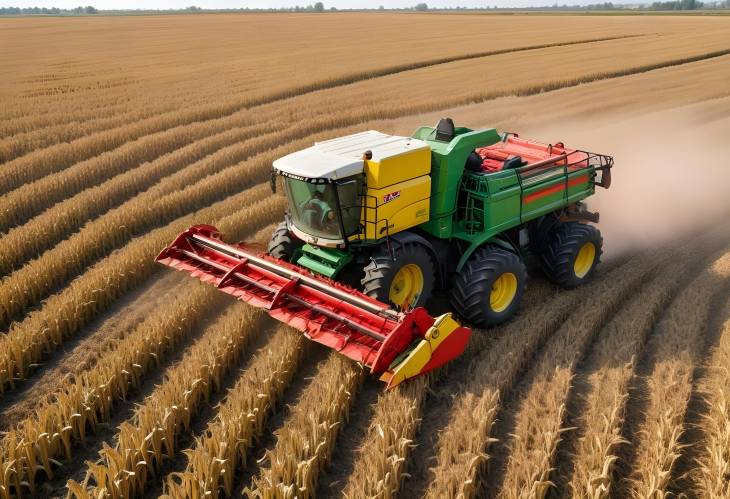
{"x":24,"y":172}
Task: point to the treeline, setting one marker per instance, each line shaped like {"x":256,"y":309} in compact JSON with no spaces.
{"x":52,"y":11}
{"x":681,"y":5}
{"x":678,"y":5}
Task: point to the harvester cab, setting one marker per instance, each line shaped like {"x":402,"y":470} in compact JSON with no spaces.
{"x":376,"y":223}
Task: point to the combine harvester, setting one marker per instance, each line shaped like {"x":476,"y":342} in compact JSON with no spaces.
{"x":377,"y":222}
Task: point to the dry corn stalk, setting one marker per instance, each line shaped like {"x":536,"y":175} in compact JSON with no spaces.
{"x":678,"y":345}
{"x":538,"y":428}
{"x":34,"y":281}
{"x":710,"y":477}
{"x":143,"y":446}
{"x":64,"y":314}
{"x":305,"y":442}
{"x":462,"y":446}
{"x":223,"y":448}
{"x":88,"y":399}
{"x":45,"y":230}
{"x":616,"y":353}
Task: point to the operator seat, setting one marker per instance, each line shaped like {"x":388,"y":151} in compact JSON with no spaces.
{"x":445,"y":130}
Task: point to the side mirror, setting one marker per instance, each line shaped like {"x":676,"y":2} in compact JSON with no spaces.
{"x":272,"y":180}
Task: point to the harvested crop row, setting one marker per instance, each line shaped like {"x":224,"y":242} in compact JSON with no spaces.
{"x":104,"y":107}
{"x":538,"y":426}
{"x":143,"y":445}
{"x":33,"y":282}
{"x":710,"y":476}
{"x":81,"y":404}
{"x":131,"y":142}
{"x":241,"y":418}
{"x":202,"y":158}
{"x":50,"y":126}
{"x":29,"y":200}
{"x":462,"y":446}
{"x":64,"y":314}
{"x":306,"y":440}
{"x":430,"y":89}
{"x":610,"y":367}
{"x":678,"y":345}
{"x":41,"y":232}
{"x":32,"y":198}
{"x":59,"y":130}
{"x":19,"y":122}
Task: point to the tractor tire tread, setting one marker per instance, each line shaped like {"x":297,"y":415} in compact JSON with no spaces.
{"x":560,"y":251}
{"x":375,"y":282}
{"x":282,"y":245}
{"x":472,"y":285}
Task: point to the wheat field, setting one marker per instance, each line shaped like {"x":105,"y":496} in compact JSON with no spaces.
{"x":119,"y":379}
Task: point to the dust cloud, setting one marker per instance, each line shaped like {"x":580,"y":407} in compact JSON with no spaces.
{"x":671,"y":175}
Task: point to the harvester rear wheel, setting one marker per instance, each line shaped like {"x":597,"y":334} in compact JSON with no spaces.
{"x":489,"y":288}
{"x":406,"y":282}
{"x":572,"y":253}
{"x":282,"y":245}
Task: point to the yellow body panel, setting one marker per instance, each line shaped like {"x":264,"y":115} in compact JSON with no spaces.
{"x":400,"y":168}
{"x":396,"y":208}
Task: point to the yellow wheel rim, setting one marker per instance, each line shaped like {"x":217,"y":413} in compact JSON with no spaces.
{"x":503,"y":292}
{"x":584,"y":260}
{"x":407,"y":286}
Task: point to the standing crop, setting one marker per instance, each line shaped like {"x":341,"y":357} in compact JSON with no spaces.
{"x":670,"y":382}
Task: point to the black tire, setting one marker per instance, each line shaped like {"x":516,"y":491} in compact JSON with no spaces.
{"x":473,"y":286}
{"x":381,"y":270}
{"x":282,"y":245}
{"x":559,"y":256}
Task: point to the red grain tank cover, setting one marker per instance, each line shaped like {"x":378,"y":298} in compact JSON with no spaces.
{"x":494,"y":156}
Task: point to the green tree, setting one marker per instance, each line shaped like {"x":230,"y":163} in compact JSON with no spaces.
{"x":319,"y":7}
{"x":421,"y":7}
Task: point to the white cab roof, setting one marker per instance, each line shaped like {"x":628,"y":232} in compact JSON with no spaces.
{"x":343,"y":157}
